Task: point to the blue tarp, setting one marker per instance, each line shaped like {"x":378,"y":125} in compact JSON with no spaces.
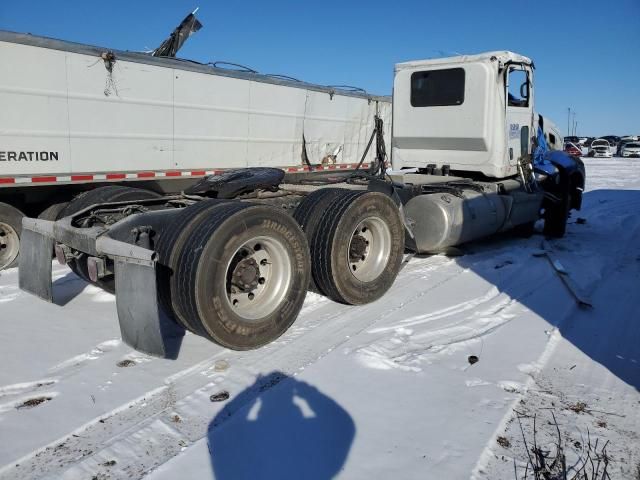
{"x":540,"y":154}
{"x":541,"y":149}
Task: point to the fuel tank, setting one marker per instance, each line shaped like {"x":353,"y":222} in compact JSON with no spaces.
{"x":441,"y":220}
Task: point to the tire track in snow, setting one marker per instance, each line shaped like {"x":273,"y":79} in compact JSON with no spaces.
{"x":407,"y":350}
{"x":78,"y":361}
{"x":20,"y":393}
{"x":417,"y":340}
{"x":491,"y":294}
{"x":20,"y":388}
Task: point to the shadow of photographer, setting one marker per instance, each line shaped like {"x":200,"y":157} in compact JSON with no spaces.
{"x":290,"y":431}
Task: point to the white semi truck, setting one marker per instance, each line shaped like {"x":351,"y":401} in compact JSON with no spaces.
{"x":231,"y":257}
{"x":75,"y":117}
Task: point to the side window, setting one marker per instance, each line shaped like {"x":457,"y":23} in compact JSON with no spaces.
{"x":552,"y":139}
{"x":437,"y":88}
{"x":518,"y":88}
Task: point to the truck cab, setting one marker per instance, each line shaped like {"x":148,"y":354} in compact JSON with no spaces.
{"x":470,"y":113}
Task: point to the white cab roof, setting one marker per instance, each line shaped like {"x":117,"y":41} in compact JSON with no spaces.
{"x":501,"y":56}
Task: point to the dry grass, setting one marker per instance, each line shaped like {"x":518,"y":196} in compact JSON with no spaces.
{"x":551,"y":463}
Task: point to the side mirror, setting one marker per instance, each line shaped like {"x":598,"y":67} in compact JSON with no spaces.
{"x":524,"y":90}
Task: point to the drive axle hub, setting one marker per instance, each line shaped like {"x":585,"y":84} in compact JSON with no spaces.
{"x":246,"y":275}
{"x":358,"y":248}
{"x":258,"y":277}
{"x":369,"y":249}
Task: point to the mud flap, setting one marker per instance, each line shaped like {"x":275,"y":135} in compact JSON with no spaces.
{"x":143,"y":324}
{"x":34,"y":269}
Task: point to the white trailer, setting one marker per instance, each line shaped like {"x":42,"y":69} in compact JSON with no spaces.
{"x":231,"y":258}
{"x":74,"y":117}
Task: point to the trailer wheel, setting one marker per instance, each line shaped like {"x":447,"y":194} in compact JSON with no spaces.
{"x":10,"y":231}
{"x":243,"y":274}
{"x":108,"y":193}
{"x":357,"y":247}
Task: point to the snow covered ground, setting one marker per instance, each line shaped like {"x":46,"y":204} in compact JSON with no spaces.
{"x":385,"y":390}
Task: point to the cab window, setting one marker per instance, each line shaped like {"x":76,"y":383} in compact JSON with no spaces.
{"x":437,"y":88}
{"x":518,"y":88}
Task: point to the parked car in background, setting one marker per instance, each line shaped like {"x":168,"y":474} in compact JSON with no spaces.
{"x":612,"y":139}
{"x":631,"y":149}
{"x":572,"y":139}
{"x":622,"y":143}
{"x":572,"y":149}
{"x":600,"y":148}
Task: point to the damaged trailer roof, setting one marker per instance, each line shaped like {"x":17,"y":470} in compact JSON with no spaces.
{"x":182,"y":64}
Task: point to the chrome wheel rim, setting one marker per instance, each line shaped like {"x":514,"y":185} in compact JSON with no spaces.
{"x":258,"y":277}
{"x":369,"y":249}
{"x":9,"y":245}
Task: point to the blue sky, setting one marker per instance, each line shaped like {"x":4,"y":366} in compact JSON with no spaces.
{"x":587,"y":53}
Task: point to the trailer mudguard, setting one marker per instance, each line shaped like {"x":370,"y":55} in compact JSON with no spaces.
{"x":36,"y":247}
{"x":143,"y":324}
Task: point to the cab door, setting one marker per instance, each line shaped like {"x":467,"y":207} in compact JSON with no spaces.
{"x":519,"y":112}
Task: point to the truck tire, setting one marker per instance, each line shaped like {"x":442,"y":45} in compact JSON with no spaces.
{"x":108,"y":193}
{"x":10,"y":232}
{"x":357,"y":248}
{"x":105,"y":194}
{"x":556,"y":216}
{"x":243,"y":275}
{"x":524,"y":230}
{"x":168,"y":245}
{"x":53,"y":211}
{"x":310,"y":211}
